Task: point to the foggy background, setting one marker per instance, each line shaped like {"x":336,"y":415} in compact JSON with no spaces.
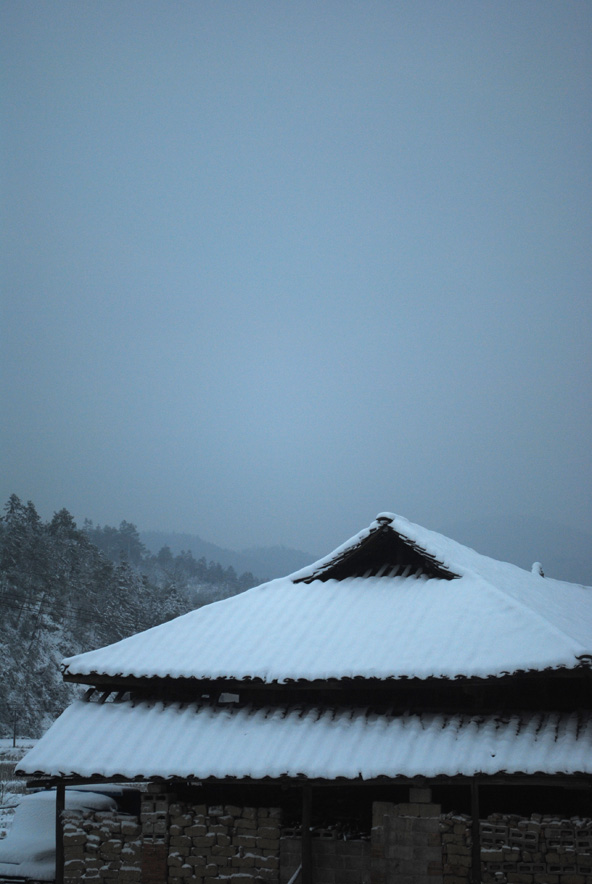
{"x":271,"y":268}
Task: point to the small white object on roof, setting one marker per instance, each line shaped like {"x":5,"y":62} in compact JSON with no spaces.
{"x":495,"y":619}
{"x":135,"y":740}
{"x":537,"y":568}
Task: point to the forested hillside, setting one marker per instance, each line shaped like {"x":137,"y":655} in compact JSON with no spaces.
{"x":267,"y":562}
{"x":65,"y":589}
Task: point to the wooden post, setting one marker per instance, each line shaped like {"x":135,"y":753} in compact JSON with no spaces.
{"x":475,"y":834}
{"x":59,"y":829}
{"x":306,"y":835}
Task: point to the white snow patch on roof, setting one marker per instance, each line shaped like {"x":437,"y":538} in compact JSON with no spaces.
{"x":122,"y":739}
{"x":496,"y":618}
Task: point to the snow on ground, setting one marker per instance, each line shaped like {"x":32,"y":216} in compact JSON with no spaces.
{"x":12,"y":788}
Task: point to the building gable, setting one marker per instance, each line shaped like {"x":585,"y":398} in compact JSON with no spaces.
{"x":383,"y":552}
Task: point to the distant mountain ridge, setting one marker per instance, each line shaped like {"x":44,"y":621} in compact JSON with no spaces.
{"x":566,"y":553}
{"x":265,"y":563}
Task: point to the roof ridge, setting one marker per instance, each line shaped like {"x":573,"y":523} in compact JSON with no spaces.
{"x":476,"y":573}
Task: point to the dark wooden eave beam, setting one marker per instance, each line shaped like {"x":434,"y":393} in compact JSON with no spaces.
{"x":577,"y":781}
{"x":122,"y":683}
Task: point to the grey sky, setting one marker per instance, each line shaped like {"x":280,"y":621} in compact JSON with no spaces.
{"x":271,"y":268}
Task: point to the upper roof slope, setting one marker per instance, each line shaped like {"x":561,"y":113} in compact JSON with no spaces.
{"x":321,"y":623}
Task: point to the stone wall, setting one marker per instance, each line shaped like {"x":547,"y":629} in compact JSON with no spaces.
{"x":173,"y":842}
{"x":101,"y":846}
{"x":514,"y":850}
{"x":176,"y":842}
{"x":222,"y":842}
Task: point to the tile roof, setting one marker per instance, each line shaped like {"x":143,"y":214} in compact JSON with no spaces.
{"x":156,"y":740}
{"x":494,"y":619}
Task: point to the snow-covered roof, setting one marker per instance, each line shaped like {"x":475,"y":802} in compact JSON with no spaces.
{"x":154,"y":740}
{"x":476,"y":617}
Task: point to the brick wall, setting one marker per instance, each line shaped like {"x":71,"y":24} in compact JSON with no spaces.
{"x":173,"y":843}
{"x":405,"y":848}
{"x":514,"y":850}
{"x":406,"y":843}
{"x":176,"y":842}
{"x":334,"y":861}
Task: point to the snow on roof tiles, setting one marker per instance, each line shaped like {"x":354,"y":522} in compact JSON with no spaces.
{"x":497,"y":618}
{"x":135,"y":740}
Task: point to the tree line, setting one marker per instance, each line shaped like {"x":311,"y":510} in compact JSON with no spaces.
{"x":65,"y":589}
{"x":123,"y":544}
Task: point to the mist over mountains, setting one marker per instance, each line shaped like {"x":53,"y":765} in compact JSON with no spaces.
{"x":264,"y":562}
{"x":566,"y":553}
{"x":65,"y":589}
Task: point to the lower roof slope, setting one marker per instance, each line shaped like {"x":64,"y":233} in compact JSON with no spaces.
{"x":145,"y":740}
{"x":449,"y":612}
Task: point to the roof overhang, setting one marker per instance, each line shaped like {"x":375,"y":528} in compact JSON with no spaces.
{"x":147,"y":740}
{"x":383,"y":605}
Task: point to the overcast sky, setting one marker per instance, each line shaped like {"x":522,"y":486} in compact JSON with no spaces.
{"x":271,"y":268}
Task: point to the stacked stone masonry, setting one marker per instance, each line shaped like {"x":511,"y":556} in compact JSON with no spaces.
{"x":102,"y":847}
{"x":538,"y":850}
{"x":225,"y":842}
{"x":176,"y":842}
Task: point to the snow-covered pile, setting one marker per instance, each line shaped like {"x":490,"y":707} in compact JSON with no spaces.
{"x":11,"y":788}
{"x":28,"y":851}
